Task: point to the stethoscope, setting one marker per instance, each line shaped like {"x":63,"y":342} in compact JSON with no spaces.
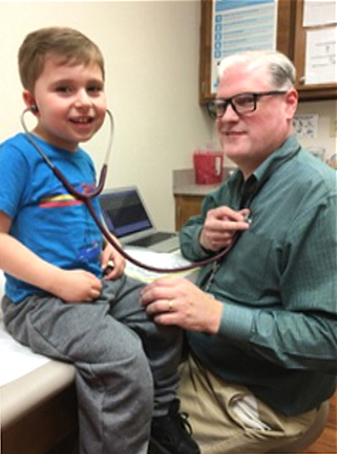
{"x":87,"y":197}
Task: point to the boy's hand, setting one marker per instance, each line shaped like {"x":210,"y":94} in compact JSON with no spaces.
{"x":113,"y":263}
{"x":75,"y":286}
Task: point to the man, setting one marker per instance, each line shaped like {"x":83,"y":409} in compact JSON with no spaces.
{"x":262,"y":321}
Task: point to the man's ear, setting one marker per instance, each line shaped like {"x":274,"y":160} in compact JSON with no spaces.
{"x":292,"y":102}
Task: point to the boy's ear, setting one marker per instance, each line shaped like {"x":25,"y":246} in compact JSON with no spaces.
{"x":29,"y":100}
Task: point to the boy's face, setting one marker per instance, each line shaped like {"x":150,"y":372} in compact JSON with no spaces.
{"x":71,"y":103}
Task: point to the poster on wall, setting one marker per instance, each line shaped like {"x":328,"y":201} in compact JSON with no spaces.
{"x":323,"y":12}
{"x":321,"y":62}
{"x":241,"y":25}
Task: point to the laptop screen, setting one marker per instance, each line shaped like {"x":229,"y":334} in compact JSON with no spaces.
{"x":124,"y":213}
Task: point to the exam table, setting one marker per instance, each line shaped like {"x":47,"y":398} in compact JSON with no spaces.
{"x":38,"y":400}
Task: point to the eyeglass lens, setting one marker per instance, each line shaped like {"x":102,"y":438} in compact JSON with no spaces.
{"x":241,"y":104}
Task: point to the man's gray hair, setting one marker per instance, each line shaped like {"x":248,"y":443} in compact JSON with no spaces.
{"x":281,"y":69}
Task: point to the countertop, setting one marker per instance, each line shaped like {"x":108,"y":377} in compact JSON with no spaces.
{"x":184,"y":183}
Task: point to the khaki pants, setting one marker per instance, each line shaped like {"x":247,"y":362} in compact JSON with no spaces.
{"x":228,"y":419}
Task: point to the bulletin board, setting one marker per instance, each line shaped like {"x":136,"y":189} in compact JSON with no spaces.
{"x":315,"y":49}
{"x":228,"y":26}
{"x":240,"y":26}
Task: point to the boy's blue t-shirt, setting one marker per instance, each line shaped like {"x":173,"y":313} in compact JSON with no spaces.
{"x":45,"y":217}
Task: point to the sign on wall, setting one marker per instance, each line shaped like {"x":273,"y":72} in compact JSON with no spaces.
{"x":239,"y":26}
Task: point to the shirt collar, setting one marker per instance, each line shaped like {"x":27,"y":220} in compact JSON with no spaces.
{"x":281,"y":155}
{"x":248,"y":188}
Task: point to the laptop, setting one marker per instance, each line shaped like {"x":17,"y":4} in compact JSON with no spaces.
{"x":127,"y":217}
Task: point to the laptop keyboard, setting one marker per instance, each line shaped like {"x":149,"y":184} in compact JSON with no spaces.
{"x":152,"y":239}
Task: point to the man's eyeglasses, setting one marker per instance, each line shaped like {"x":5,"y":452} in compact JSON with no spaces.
{"x":242,"y":103}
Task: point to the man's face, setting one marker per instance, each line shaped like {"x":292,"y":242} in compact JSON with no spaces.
{"x":248,"y":139}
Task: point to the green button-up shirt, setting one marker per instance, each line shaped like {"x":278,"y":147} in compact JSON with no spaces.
{"x":278,"y":333}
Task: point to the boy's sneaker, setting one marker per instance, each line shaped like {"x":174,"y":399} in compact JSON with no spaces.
{"x":171,"y":434}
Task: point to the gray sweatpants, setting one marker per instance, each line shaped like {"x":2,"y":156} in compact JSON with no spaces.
{"x":126,"y":364}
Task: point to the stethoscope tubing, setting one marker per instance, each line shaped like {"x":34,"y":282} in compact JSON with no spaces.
{"x":136,"y":262}
{"x":87,"y":197}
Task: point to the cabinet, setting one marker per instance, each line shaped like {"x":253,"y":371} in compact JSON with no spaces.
{"x":290,"y":39}
{"x":185,"y":207}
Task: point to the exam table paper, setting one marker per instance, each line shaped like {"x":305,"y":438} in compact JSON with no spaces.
{"x":159,"y":260}
{"x":16,"y":359}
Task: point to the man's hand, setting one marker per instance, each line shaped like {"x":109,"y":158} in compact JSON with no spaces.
{"x":176,"y":301}
{"x":221,"y":225}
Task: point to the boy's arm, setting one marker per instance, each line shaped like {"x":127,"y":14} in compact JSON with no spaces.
{"x":20,"y":262}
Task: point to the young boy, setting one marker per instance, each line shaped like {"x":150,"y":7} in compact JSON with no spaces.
{"x":58,"y":299}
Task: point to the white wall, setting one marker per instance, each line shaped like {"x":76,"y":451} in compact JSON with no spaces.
{"x":151,"y":50}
